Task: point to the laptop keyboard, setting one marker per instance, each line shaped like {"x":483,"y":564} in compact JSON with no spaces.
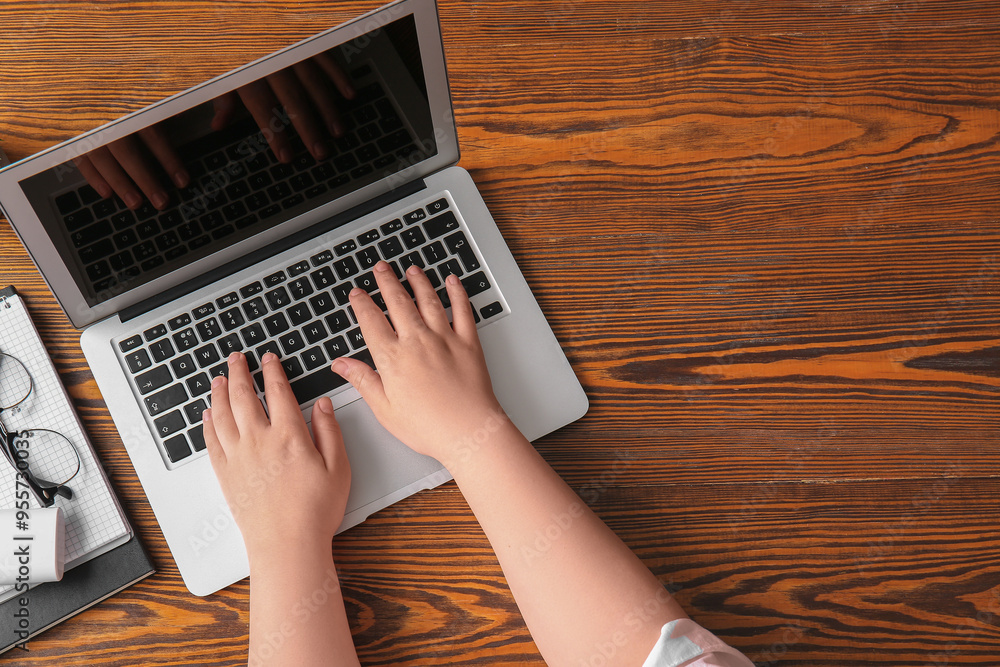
{"x":301,"y":313}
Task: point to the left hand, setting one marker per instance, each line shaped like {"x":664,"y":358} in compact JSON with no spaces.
{"x":283,"y":487}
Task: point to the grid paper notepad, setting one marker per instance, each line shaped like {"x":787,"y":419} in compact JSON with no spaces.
{"x":94,"y":521}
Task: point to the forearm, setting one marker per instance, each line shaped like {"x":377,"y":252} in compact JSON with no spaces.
{"x":581,"y":591}
{"x":297,"y":614}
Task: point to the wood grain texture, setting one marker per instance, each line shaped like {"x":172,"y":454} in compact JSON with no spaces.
{"x":767,"y":235}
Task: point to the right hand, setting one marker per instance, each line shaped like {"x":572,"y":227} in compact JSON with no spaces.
{"x":432,"y":389}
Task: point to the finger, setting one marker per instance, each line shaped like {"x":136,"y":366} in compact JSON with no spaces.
{"x":336,"y":72}
{"x":282,"y":405}
{"x":327,"y":435}
{"x":225,"y":109}
{"x":363,"y":378}
{"x":402,"y":312}
{"x":317,"y":86}
{"x":462,"y":317}
{"x":247,"y":410}
{"x":136,"y":164}
{"x":162,"y":148}
{"x":375,"y":328}
{"x":222,"y":412}
{"x":260,"y":101}
{"x":93,"y":176}
{"x":428,"y":303}
{"x":216,"y":452}
{"x":293,"y":96}
{"x":112,"y":172}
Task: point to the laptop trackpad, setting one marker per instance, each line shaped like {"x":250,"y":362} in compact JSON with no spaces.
{"x":380,"y":464}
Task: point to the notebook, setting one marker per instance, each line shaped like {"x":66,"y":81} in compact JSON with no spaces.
{"x":94,"y":521}
{"x":238,"y":215}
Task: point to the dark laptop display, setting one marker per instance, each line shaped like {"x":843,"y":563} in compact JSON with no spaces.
{"x":249,"y":160}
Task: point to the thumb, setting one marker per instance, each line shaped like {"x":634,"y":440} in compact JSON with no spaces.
{"x":363,"y":378}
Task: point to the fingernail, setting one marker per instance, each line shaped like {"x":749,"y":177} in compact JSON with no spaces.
{"x":182,"y":178}
{"x":269,"y":357}
{"x":206,"y":415}
{"x":234,"y":357}
{"x":160,"y":200}
{"x":105,"y":191}
{"x":452,"y":279}
{"x":319,"y":151}
{"x":413,"y":270}
{"x":339,"y":367}
{"x":325,"y":405}
{"x":218,"y":380}
{"x":285,"y":155}
{"x":357,"y":291}
{"x":132,"y":200}
{"x":382,"y":266}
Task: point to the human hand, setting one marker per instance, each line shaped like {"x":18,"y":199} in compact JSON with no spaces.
{"x":432,"y":389}
{"x":305,"y":93}
{"x":128,"y":168}
{"x":281,"y":485}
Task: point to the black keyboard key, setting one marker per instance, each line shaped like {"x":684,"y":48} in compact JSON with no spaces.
{"x":491,"y":310}
{"x":336,"y":347}
{"x":413,"y":238}
{"x":209,"y":329}
{"x":433,"y":277}
{"x":300,"y":288}
{"x":228,"y":300}
{"x":255,"y":309}
{"x":368,"y":237}
{"x":451,"y":267}
{"x":436,"y":207}
{"x":164,"y":400}
{"x":276,"y":324}
{"x":379,"y":301}
{"x":298,"y":268}
{"x":197,"y":437}
{"x":155,"y":379}
{"x":368,"y":258}
{"x":345,"y":247}
{"x":177,"y":447}
{"x":293,"y":368}
{"x":199,"y":384}
{"x":91,"y":234}
{"x":270,"y":346}
{"x":253,"y":335}
{"x":292,"y":342}
{"x":476,"y":283}
{"x":138,"y":361}
{"x":459,"y":245}
{"x":169,"y":424}
{"x":207,"y":355}
{"x":366,"y":281}
{"x":194,"y":410}
{"x":392,"y":226}
{"x":322,"y":303}
{"x":161,"y":350}
{"x":323,"y":278}
{"x":99,"y":250}
{"x":338,"y":321}
{"x":342,"y":293}
{"x":130,"y":344}
{"x":179,"y":321}
{"x":186,"y":339}
{"x":435,"y":252}
{"x":203,"y":311}
{"x":346,"y":267}
{"x":251,"y":289}
{"x":413,"y":259}
{"x":355,"y":338}
{"x":445,"y":299}
{"x":298,"y":314}
{"x":222,"y":370}
{"x":315,"y":332}
{"x":230,"y":344}
{"x":68,"y":202}
{"x":153,"y":333}
{"x":183,"y":366}
{"x":322,"y":258}
{"x":316,"y":384}
{"x":313,"y":358}
{"x":390,"y":247}
{"x":440,"y":225}
{"x":232,"y":319}
{"x":275,"y":279}
{"x":278,"y":298}
{"x":415,"y":216}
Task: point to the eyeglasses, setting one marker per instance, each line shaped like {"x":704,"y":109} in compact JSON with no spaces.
{"x":38,"y":454}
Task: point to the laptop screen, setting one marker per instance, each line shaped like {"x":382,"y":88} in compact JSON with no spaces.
{"x":216,"y":173}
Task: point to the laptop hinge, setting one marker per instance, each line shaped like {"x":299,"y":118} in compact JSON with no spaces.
{"x":271,"y":250}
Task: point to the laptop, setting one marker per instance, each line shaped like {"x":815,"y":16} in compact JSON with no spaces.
{"x":238,"y":215}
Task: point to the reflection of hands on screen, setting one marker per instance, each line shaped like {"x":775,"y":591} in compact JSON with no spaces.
{"x":308,"y":99}
{"x":127,"y":168}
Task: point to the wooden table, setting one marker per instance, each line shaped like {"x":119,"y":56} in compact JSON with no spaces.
{"x":767,"y":234}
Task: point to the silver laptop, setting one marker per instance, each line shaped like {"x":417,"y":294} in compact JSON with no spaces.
{"x":238,"y":215}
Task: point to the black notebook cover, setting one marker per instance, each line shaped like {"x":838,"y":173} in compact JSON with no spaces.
{"x":82,"y":587}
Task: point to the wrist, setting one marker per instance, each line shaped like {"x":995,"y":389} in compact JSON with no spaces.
{"x":289,"y":550}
